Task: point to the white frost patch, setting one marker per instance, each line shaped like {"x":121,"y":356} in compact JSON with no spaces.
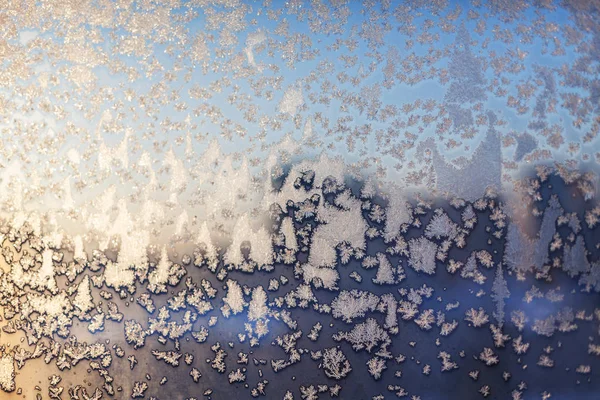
{"x":234,"y":301}
{"x":7,"y":373}
{"x":205,"y":240}
{"x":398,"y":212}
{"x":441,"y":226}
{"x":338,"y":226}
{"x":385,"y":273}
{"x":327,"y":277}
{"x":79,"y":251}
{"x":83,"y":299}
{"x":422,"y":255}
{"x":308,"y":134}
{"x":261,"y":250}
{"x":52,"y":306}
{"x":346,"y":225}
{"x":160,"y":275}
{"x":132,"y":252}
{"x":323,"y":167}
{"x":353,"y":304}
{"x":182,"y":221}
{"x":117,"y":275}
{"x":335,"y":364}
{"x":258,"y":304}
{"x":287,"y":229}
{"x":46,"y":272}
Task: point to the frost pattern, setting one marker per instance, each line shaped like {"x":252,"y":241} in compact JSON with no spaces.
{"x":422,"y":255}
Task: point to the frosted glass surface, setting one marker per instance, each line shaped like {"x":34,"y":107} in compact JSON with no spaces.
{"x":230,"y":199}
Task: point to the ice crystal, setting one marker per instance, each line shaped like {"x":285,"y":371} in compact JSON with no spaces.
{"x":365,"y":335}
{"x":477,"y":317}
{"x":441,"y":226}
{"x":349,"y":305}
{"x":335,"y":364}
{"x":422,"y":255}
{"x":488,"y":357}
{"x":234,"y":301}
{"x":500,"y":292}
{"x":385,"y":272}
